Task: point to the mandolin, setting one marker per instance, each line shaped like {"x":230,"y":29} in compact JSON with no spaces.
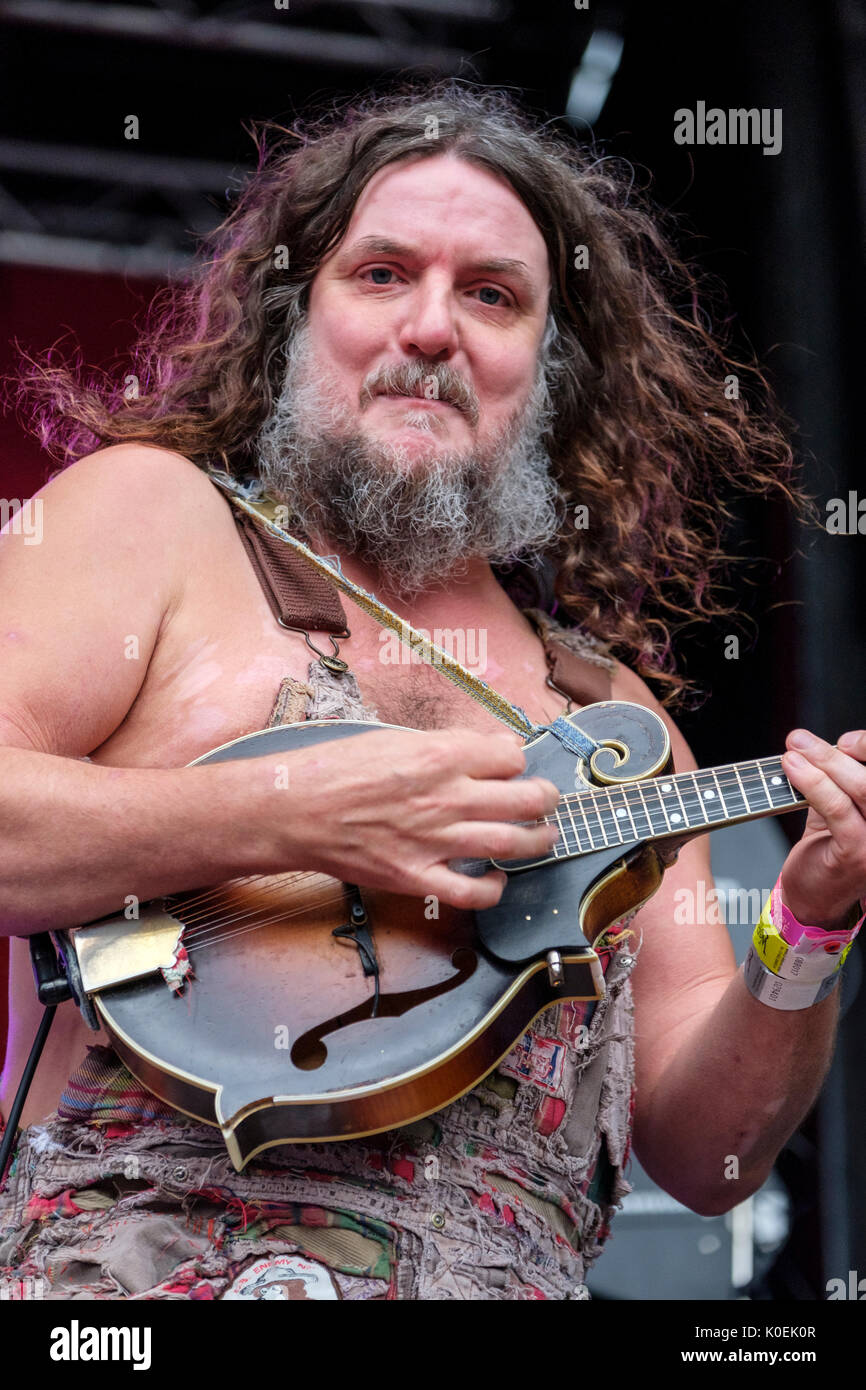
{"x":317,"y":1010}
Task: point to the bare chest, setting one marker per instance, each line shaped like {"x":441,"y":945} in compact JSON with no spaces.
{"x":221,"y":658}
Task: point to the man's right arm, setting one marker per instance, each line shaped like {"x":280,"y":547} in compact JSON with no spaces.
{"x":78,"y":838}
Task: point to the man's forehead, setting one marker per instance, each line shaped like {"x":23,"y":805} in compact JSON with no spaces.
{"x":445,"y":205}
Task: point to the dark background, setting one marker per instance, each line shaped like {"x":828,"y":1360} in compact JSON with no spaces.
{"x":91,"y":223}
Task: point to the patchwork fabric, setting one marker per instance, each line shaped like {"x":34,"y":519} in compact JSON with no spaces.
{"x":104,"y":1093}
{"x":508,"y":1194}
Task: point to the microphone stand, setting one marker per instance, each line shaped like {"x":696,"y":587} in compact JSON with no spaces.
{"x":52,"y":988}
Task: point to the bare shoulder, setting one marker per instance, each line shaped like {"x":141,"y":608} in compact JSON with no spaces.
{"x":124,"y":476}
{"x":110,"y":543}
{"x":137,"y":506}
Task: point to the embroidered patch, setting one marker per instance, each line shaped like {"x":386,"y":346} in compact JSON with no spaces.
{"x":286,"y":1277}
{"x":535,"y":1059}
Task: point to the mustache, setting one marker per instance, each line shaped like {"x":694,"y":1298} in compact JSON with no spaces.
{"x":426,"y":380}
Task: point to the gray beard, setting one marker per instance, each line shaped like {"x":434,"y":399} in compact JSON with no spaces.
{"x":416,"y":522}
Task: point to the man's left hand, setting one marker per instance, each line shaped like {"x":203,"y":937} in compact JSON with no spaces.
{"x":825,"y":873}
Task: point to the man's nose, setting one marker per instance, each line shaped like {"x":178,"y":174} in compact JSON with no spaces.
{"x":429,"y":328}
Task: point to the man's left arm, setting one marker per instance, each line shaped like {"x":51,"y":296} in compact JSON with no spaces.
{"x":723,"y":1080}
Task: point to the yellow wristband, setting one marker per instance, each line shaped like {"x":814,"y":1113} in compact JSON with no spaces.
{"x":767,"y":940}
{"x":803,"y":962}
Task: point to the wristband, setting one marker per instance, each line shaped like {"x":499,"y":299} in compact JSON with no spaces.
{"x":779,"y":993}
{"x":796,"y":952}
{"x":796,"y":934}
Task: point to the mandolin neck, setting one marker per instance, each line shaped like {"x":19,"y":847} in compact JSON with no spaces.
{"x":676,"y":806}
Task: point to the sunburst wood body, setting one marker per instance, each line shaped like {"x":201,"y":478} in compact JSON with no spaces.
{"x":274,"y":1039}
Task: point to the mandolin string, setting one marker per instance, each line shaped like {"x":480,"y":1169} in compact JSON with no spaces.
{"x":210,"y":930}
{"x":270,"y":884}
{"x":747,"y":782}
{"x":194,"y":931}
{"x":197,"y":897}
{"x":196,"y":925}
{"x":218,"y":890}
{"x":262,"y":903}
{"x":608,"y":823}
{"x":209,"y":938}
{"x":733,"y":778}
{"x":594,"y":798}
{"x":222,"y":936}
{"x":239,"y":931}
{"x":206,"y":901}
{"x":216,"y":931}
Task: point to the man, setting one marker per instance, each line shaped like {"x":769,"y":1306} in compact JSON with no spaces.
{"x":392,"y":337}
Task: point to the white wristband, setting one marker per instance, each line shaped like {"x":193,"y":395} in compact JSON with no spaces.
{"x":779,"y":993}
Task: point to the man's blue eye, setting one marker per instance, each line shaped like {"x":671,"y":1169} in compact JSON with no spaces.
{"x":488,"y":289}
{"x":381,"y":270}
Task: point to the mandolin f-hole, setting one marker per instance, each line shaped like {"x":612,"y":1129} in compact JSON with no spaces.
{"x":309,"y":1052}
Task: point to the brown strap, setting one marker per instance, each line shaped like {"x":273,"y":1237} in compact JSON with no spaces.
{"x":582,"y":681}
{"x":299,"y":596}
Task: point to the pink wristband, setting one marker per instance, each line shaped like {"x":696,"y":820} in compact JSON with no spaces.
{"x":808,"y":939}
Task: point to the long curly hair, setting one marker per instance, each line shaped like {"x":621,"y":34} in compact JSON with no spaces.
{"x":656,"y":427}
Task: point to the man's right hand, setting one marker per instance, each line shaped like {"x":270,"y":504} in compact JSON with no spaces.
{"x":389,"y":809}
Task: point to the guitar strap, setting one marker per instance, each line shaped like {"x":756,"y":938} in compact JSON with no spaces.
{"x":302,"y":590}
